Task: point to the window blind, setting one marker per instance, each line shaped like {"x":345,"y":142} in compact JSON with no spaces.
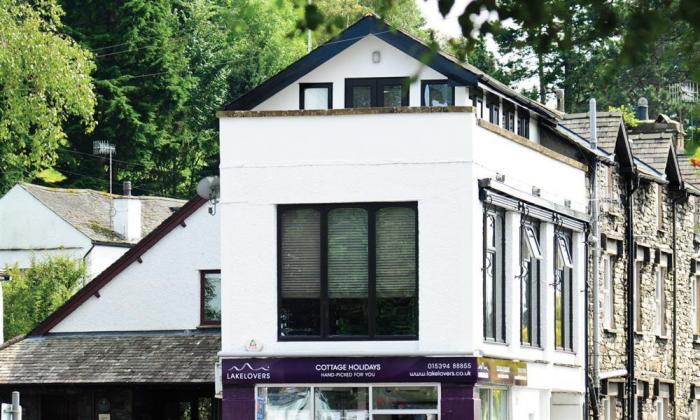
{"x":301,"y":253}
{"x":348,"y":260}
{"x":396,"y":252}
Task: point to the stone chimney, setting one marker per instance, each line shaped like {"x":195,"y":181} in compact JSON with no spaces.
{"x":642,"y":109}
{"x":127,"y":215}
{"x":560,"y":100}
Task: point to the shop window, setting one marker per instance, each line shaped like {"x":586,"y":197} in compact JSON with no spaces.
{"x":437,"y":93}
{"x":494,"y":403}
{"x":348,"y":271}
{"x":661,"y":273}
{"x":210,"y":297}
{"x":524,"y":124}
{"x":530,"y":258}
{"x":563,"y":291}
{"x":608,"y":293}
{"x":347,"y":402}
{"x":376,"y":92}
{"x":315,"y":95}
{"x":494,"y":275}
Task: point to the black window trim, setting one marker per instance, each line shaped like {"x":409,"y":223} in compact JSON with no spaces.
{"x":375,"y":83}
{"x":304,"y":86}
{"x":202,"y":281}
{"x":424,"y":83}
{"x":371,"y":296}
{"x":534,"y":328}
{"x":568,"y":332}
{"x":496,"y":211}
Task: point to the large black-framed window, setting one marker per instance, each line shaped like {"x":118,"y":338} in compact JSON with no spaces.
{"x":376,"y":92}
{"x":493,"y":104}
{"x":509,"y":116}
{"x":437,"y":93}
{"x":316,"y":96}
{"x":524,"y":124}
{"x":530,"y":258}
{"x":348,"y":271}
{"x":494,"y":275}
{"x":563,"y":290}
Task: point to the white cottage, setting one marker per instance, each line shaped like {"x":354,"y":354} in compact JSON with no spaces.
{"x":399,"y":239}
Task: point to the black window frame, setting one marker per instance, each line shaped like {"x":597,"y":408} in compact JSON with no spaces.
{"x":375,"y":83}
{"x":304,"y":86}
{"x":493,"y":104}
{"x":427,"y":82}
{"x":523,"y":124}
{"x":324,"y":209}
{"x":202,"y":312}
{"x":499,"y":234}
{"x":509,"y":116}
{"x":564,"y":280}
{"x":531,"y":287}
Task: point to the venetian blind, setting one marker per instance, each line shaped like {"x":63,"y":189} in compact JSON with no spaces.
{"x":396,"y":252}
{"x":301,"y":254}
{"x":348,"y":256}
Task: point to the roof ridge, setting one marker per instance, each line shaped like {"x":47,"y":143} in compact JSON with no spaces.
{"x":89,"y":190}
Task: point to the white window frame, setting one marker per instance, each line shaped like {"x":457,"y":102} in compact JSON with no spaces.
{"x":532,"y":243}
{"x":638,"y":267}
{"x":663,"y":401}
{"x":371,"y":411}
{"x":564,"y":256}
{"x":608,"y":290}
{"x":694,"y":286}
{"x":659,"y":207}
{"x":660,"y":297}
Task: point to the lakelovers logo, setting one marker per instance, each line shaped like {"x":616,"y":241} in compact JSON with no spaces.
{"x":247,"y":372}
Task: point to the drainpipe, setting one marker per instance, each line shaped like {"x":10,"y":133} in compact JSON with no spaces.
{"x":589,"y":379}
{"x":594,"y":240}
{"x":632,"y":186}
{"x":681,"y":196}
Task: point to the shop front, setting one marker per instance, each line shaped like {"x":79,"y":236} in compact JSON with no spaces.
{"x":416,"y":388}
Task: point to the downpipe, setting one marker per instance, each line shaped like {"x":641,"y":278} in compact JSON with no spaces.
{"x":632,"y":186}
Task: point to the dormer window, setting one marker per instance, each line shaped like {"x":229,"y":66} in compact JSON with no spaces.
{"x":437,"y":93}
{"x":316,"y":96}
{"x":376,"y":92}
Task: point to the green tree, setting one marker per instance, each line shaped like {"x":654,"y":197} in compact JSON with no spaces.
{"x":164,"y":67}
{"x":34,"y":293}
{"x":44,"y":82}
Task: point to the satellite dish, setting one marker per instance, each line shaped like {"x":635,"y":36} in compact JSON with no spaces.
{"x":208,"y":188}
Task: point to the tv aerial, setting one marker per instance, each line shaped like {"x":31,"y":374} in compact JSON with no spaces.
{"x":208,"y":188}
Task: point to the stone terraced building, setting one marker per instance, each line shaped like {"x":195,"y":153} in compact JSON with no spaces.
{"x":655,"y":261}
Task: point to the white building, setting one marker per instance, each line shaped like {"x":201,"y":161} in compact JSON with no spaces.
{"x":139,"y":341}
{"x":385,"y":258}
{"x":37,"y":222}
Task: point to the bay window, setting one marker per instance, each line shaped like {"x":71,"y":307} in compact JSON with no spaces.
{"x":530,"y":257}
{"x":348,"y":271}
{"x":494,"y":275}
{"x":563,"y":291}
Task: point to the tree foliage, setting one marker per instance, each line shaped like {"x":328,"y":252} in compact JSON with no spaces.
{"x":44,"y":82}
{"x":34,"y":293}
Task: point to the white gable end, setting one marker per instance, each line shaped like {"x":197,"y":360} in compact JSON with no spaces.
{"x":162,"y":292}
{"x":356,"y":62}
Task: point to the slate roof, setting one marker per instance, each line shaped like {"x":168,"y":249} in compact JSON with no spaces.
{"x":608,"y":125}
{"x":88,"y":210}
{"x":82,"y":359}
{"x":691,"y":174}
{"x":652,"y":148}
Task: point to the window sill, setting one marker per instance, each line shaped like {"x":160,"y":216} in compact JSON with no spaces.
{"x":565,"y":351}
{"x":209,"y":326}
{"x":638,"y":334}
{"x":613,"y":331}
{"x":530,"y":347}
{"x":498,"y":343}
{"x":696,"y":339}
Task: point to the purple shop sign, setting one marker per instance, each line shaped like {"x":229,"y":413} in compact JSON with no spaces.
{"x":349,"y":369}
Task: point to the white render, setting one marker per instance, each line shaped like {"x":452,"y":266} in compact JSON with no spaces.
{"x":42,"y":233}
{"x":127,"y":218}
{"x":161,"y":293}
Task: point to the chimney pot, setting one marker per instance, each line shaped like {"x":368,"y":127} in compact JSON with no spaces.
{"x":127,"y":188}
{"x":560,"y":100}
{"x":642,"y":109}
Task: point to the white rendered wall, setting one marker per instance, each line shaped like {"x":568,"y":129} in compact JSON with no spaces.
{"x":101,"y":257}
{"x":163,"y":292}
{"x":356,"y":61}
{"x":29,"y":229}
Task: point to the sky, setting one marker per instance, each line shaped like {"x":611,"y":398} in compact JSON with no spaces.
{"x":449,"y":26}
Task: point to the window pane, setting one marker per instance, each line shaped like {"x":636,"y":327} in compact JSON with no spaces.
{"x":212,"y":297}
{"x":391,"y":95}
{"x":393,"y":398}
{"x":499,"y":404}
{"x":316,"y":98}
{"x":284,"y":403}
{"x":342,"y":403}
{"x":437,"y":94}
{"x":300,"y":272}
{"x":396,"y":271}
{"x":485,"y":397}
{"x":361,"y":96}
{"x":348,"y":265}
